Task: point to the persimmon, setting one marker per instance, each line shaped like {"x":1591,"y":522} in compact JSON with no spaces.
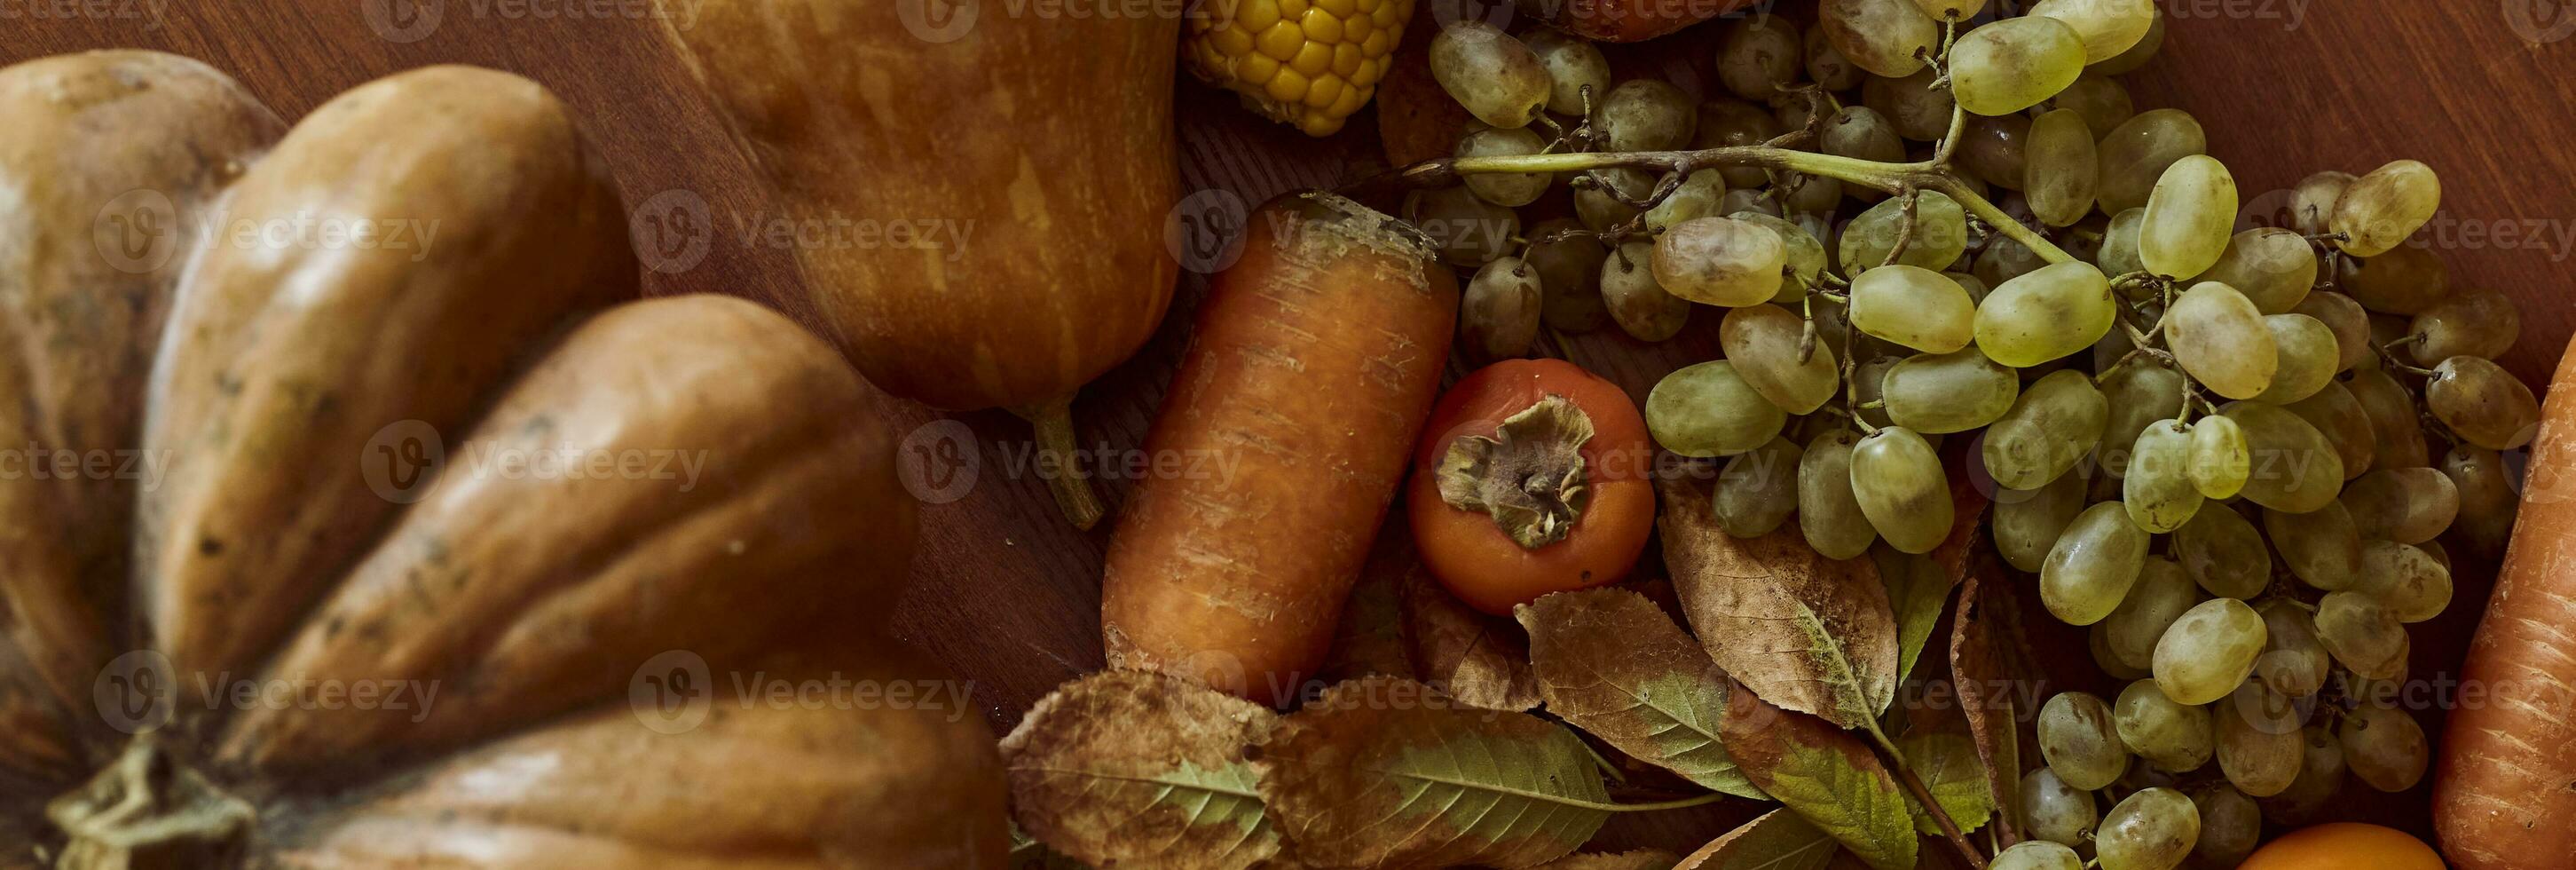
{"x":2344,"y":844}
{"x":1532,"y":476}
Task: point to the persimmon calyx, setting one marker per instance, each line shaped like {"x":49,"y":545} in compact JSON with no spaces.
{"x":1528,"y":475}
{"x":147,"y":810}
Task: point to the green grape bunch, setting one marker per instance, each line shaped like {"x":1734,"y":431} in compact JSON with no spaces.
{"x":2237,"y":457}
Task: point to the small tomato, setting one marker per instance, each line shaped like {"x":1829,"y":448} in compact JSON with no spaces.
{"x":2341,"y":845}
{"x":1533,"y":476}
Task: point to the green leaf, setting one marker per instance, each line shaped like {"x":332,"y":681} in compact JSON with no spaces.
{"x":1130,"y":767}
{"x":1918,"y":591}
{"x":1388,"y":771}
{"x":1810,"y":634}
{"x":1778,"y":840}
{"x":1611,"y":663}
{"x":1826,"y":776}
{"x":1948,"y":766}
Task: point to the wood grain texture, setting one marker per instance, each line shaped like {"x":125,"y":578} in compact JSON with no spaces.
{"x":1006,"y":594}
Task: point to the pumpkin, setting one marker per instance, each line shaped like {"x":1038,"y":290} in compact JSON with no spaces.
{"x":311,"y":383}
{"x":1043,"y":142}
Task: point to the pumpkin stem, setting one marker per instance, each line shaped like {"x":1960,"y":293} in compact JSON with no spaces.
{"x":1528,"y":475}
{"x":1057,"y":461}
{"x":148,"y":811}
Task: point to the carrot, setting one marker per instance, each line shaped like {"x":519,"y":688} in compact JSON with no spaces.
{"x":2505,"y":797}
{"x":1315,"y":358}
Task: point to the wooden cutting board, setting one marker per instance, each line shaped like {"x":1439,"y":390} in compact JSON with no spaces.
{"x":1008,"y":596}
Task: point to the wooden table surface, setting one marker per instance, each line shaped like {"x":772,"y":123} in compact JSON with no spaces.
{"x":1006,"y":594}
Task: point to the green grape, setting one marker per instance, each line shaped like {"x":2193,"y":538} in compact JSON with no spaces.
{"x":2382,"y":208}
{"x":1603,"y":210}
{"x":2294,"y":663}
{"x":2097,"y":640}
{"x":1709,"y":410}
{"x":2172,"y":737}
{"x":2273,"y":267}
{"x":1829,"y":513}
{"x":2027,"y":523}
{"x":2482,"y":403}
{"x":2107,"y":27}
{"x":2312,"y":202}
{"x":2139,"y":395}
{"x":2188,"y":215}
{"x":2385,"y":747}
{"x":2061,"y":168}
{"x":1697,"y":196}
{"x":2346,"y":319}
{"x":1898,"y":482}
{"x":2052,"y":811}
{"x":1919,"y":110}
{"x":1634,"y":300}
{"x":2099,"y":100}
{"x":1940,"y":234}
{"x":1977,"y":288}
{"x":2005,"y":259}
{"x":1498,"y":78}
{"x":2321,"y":547}
{"x":1569,"y":275}
{"x":1826,"y":65}
{"x":1498,"y":314}
{"x":2119,"y":255}
{"x":1861,"y":133}
{"x":1914,"y":307}
{"x":1948,"y":392}
{"x":2158,"y":489}
{"x":2036,"y":855}
{"x":2393,"y":424}
{"x":1746,"y":200}
{"x":1993,"y":148}
{"x":2080,"y":742}
{"x":2013,"y":64}
{"x":1758,"y":489}
{"x":2305,"y":354}
{"x":1763,"y":340}
{"x":2362,"y":634}
{"x":2224,"y":553}
{"x":2209,"y":651}
{"x":2230,"y":825}
{"x":1720,"y":261}
{"x":1572,"y":65}
{"x":2137,"y":55}
{"x":2344,"y":423}
{"x":2093,"y":565}
{"x":2435,"y":550}
{"x":1645,"y":115}
{"x":2477,"y":323}
{"x":1886,"y":37}
{"x":2321,"y":775}
{"x":2153,"y":829}
{"x":2136,"y":154}
{"x":1806,"y":256}
{"x":2219,"y":460}
{"x":2487,"y":498}
{"x":2219,"y":337}
{"x":1504,"y":189}
{"x":1811,"y":194}
{"x":2162,"y":594}
{"x":2259,"y":745}
{"x":2408,"y":581}
{"x":1725,"y":123}
{"x":2404,"y":281}
{"x":1868,"y":380}
{"x":2405,"y":505}
{"x":2044,"y":315}
{"x":1760,"y":54}
{"x":2056,"y":421}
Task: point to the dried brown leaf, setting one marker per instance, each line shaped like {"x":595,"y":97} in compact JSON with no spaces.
{"x":1481,"y":660}
{"x":1807,"y":633}
{"x":1778,"y":840}
{"x":1635,"y":859}
{"x":1991,"y":671}
{"x":1387,"y":772}
{"x":1416,"y":120}
{"x":1825,"y":775}
{"x":1142,"y":769}
{"x":1968,"y":505}
{"x":1369,"y":639}
{"x":1611,"y":663}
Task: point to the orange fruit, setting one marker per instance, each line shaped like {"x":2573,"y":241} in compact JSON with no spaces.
{"x":2345,"y":846}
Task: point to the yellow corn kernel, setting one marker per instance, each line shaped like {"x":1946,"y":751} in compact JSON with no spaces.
{"x":1321,"y":28}
{"x":1313,"y":59}
{"x":1311,"y":63}
{"x":1286,"y":87}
